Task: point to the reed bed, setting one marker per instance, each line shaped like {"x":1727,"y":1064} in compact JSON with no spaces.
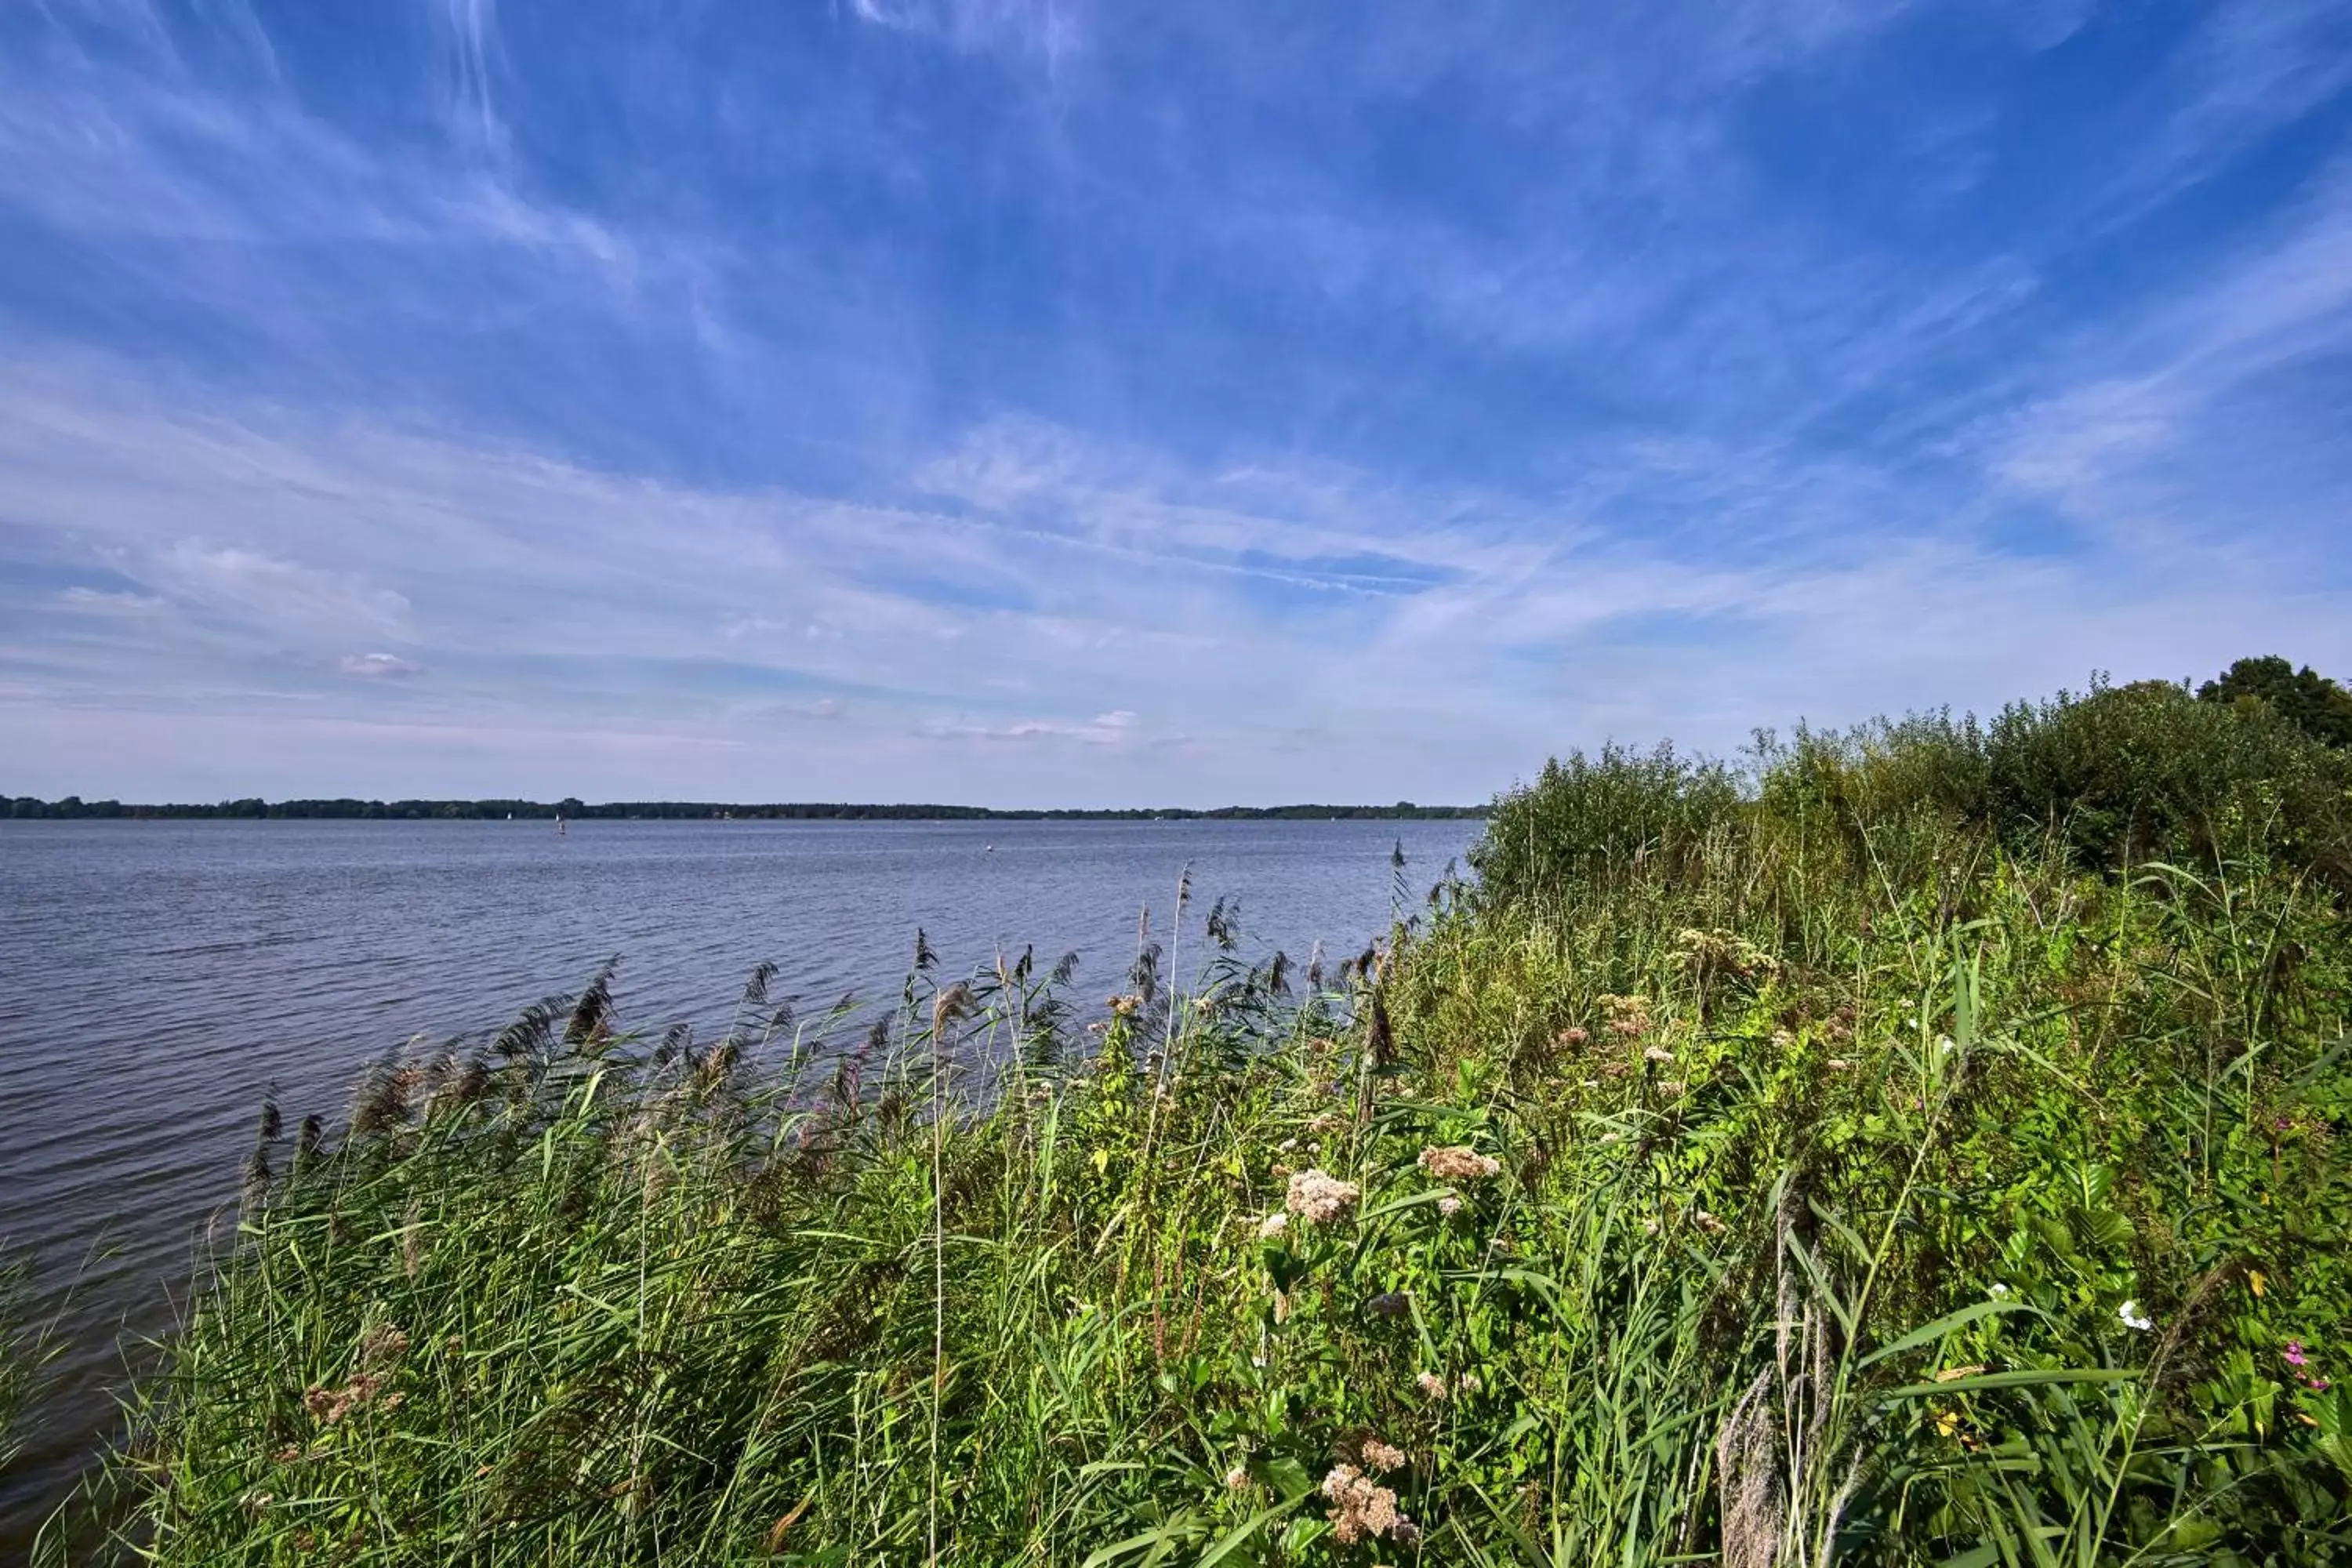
{"x":1813,"y":1170}
{"x":27,"y":1345}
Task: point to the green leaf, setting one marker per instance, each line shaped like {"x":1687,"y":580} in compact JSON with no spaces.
{"x":1989,"y":1380}
{"x":1256,"y":1522}
{"x":1944,"y":1325}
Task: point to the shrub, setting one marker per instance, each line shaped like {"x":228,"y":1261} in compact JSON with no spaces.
{"x":1591,"y":822}
{"x":2129,"y":773}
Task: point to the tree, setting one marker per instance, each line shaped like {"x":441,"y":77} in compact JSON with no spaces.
{"x":2304,"y":698}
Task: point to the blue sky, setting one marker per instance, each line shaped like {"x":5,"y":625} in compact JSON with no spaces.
{"x":1046,"y":402}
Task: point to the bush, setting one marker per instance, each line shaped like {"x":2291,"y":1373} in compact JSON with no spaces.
{"x":2112,"y":778}
{"x":2130,"y":773}
{"x":1591,"y":822}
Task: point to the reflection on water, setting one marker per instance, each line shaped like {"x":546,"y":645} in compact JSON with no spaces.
{"x":157,"y":979}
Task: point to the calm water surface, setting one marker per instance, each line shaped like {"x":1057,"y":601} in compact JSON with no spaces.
{"x":158,"y":978}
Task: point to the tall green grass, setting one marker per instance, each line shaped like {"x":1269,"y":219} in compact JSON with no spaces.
{"x":26,"y":1346}
{"x":1825,"y":1163}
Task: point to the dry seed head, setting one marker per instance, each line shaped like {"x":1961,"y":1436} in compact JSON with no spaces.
{"x":1456,"y":1163}
{"x":1361,"y":1510}
{"x":381,"y":1347}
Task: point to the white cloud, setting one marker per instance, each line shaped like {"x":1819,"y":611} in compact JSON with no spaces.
{"x":380,"y":666}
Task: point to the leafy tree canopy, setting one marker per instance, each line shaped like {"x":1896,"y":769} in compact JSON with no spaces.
{"x":2304,"y":698}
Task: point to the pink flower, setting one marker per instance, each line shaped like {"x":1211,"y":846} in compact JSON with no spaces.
{"x":2295,"y":1356}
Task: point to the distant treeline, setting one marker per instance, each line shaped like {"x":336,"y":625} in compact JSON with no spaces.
{"x":74,"y":807}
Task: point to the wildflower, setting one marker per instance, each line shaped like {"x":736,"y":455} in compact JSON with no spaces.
{"x":1656,"y":1054}
{"x":1671,"y":1088}
{"x":2255,"y":1281}
{"x":1612,"y":1138}
{"x":1573,"y":1036}
{"x":1271,"y":1226}
{"x":1996,"y":1291}
{"x":2132,"y":1317}
{"x":1380,"y":1456}
{"x":1279,"y":1169}
{"x":1449,"y":1205}
{"x":256,"y":1501}
{"x":1783,"y":1041}
{"x":2295,"y":1354}
{"x":1948,"y":1422}
{"x":1708,"y":1222}
{"x":1467,"y":1382}
{"x":1456,"y":1163}
{"x":1238,"y":1478}
{"x":1629,"y":1016}
{"x":1286,"y":1146}
{"x":1320,"y":1198}
{"x":1839,"y":1064}
{"x":1360,"y":1509}
{"x":1430,"y":1383}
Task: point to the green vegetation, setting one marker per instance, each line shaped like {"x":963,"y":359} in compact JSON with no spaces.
{"x":73,"y":807}
{"x":2305,"y":698}
{"x":1925,"y":1146}
{"x":24,"y":1349}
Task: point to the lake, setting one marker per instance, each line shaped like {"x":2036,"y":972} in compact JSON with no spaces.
{"x":158,"y":979}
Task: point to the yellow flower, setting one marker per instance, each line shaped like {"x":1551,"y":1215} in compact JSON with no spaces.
{"x":2255,"y":1281}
